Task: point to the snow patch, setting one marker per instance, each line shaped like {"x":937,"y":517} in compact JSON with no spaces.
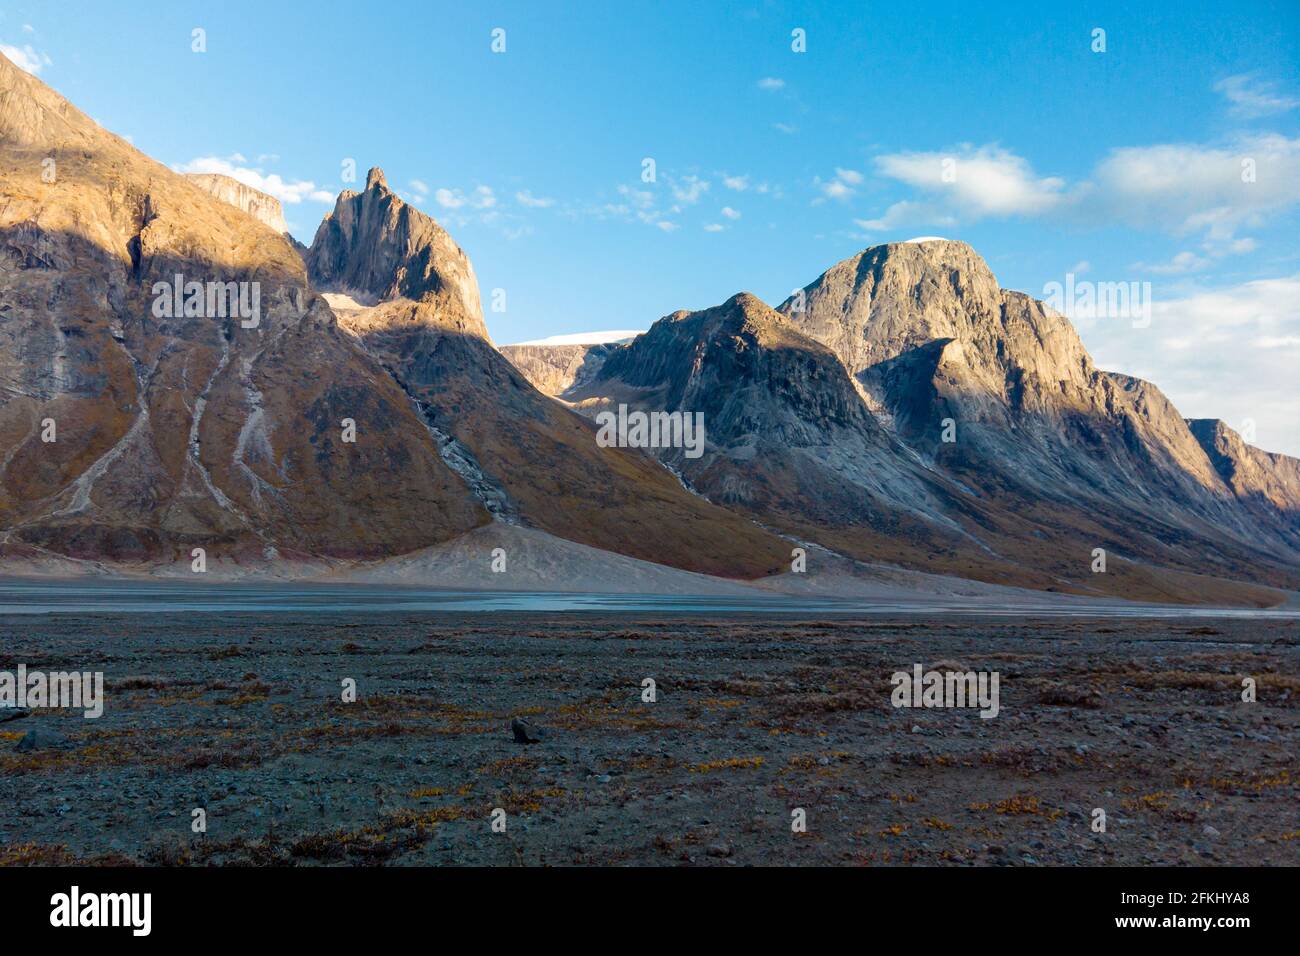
{"x":587,"y":338}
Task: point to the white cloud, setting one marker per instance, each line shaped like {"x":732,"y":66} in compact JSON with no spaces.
{"x":1186,"y":188}
{"x":688,"y":189}
{"x":737,"y":183}
{"x":287,"y":191}
{"x":785,"y":128}
{"x":525,"y":198}
{"x":1182,"y":262}
{"x":714,"y":227}
{"x":1228,"y":353}
{"x":640,"y":198}
{"x":448,"y":199}
{"x":730,"y":213}
{"x":1252,"y":97}
{"x":420,"y":186}
{"x":771,"y":83}
{"x":481,"y":198}
{"x":841,"y":187}
{"x":26,"y":58}
{"x":972,"y":182}
{"x":908,"y":213}
{"x":667,"y":226}
{"x":1176,"y":188}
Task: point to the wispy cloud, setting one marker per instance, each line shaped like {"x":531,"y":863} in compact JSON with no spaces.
{"x":839,"y":187}
{"x":481,"y":197}
{"x":289,"y":191}
{"x":525,"y":198}
{"x":1244,"y":339}
{"x":688,"y":189}
{"x":1251,"y":97}
{"x":771,"y":84}
{"x":968,"y":182}
{"x":26,"y":57}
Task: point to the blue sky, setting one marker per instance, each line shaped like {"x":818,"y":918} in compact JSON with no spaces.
{"x":771,"y":165}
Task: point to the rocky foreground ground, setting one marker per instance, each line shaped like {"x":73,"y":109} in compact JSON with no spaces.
{"x":242,"y":715}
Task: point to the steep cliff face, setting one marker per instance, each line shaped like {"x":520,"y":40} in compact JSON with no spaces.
{"x":932,"y":340}
{"x":532,"y":461}
{"x":265,"y":209}
{"x":788,"y":439}
{"x":131,"y":430}
{"x":377,"y":248}
{"x":554,"y":369}
{"x":1256,"y":476}
{"x":1045,"y":457}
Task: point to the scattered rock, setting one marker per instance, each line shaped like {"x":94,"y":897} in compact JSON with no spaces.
{"x":40,"y":739}
{"x":526,"y":733}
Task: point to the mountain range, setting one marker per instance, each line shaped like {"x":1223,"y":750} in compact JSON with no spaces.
{"x":900,"y":411}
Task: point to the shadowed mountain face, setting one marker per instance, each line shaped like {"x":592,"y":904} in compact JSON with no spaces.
{"x":1049,"y":457}
{"x":130,"y":434}
{"x":530,"y":460}
{"x":928,"y":335}
{"x":902,"y":408}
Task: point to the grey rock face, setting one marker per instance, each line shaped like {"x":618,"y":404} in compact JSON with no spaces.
{"x":379,"y":248}
{"x":41,"y":739}
{"x":265,"y":209}
{"x":928,"y":335}
{"x":554,"y":369}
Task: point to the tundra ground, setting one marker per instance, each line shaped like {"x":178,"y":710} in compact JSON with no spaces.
{"x":241,"y":715}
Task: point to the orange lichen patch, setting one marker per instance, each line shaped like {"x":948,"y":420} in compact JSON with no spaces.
{"x":35,"y":854}
{"x":937,"y":824}
{"x":509,"y":767}
{"x":1019,"y":805}
{"x":1150,"y":801}
{"x":730,"y":763}
{"x":1201,"y":680}
{"x":1253,"y":783}
{"x":719,"y":703}
{"x":897,"y":829}
{"x":425,"y":792}
{"x":243,"y":700}
{"x":650,"y":763}
{"x":812,"y":763}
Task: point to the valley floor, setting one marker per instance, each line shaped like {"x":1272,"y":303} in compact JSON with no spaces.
{"x":241,"y":714}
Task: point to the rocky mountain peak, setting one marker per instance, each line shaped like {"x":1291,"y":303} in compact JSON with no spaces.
{"x":377,"y":248}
